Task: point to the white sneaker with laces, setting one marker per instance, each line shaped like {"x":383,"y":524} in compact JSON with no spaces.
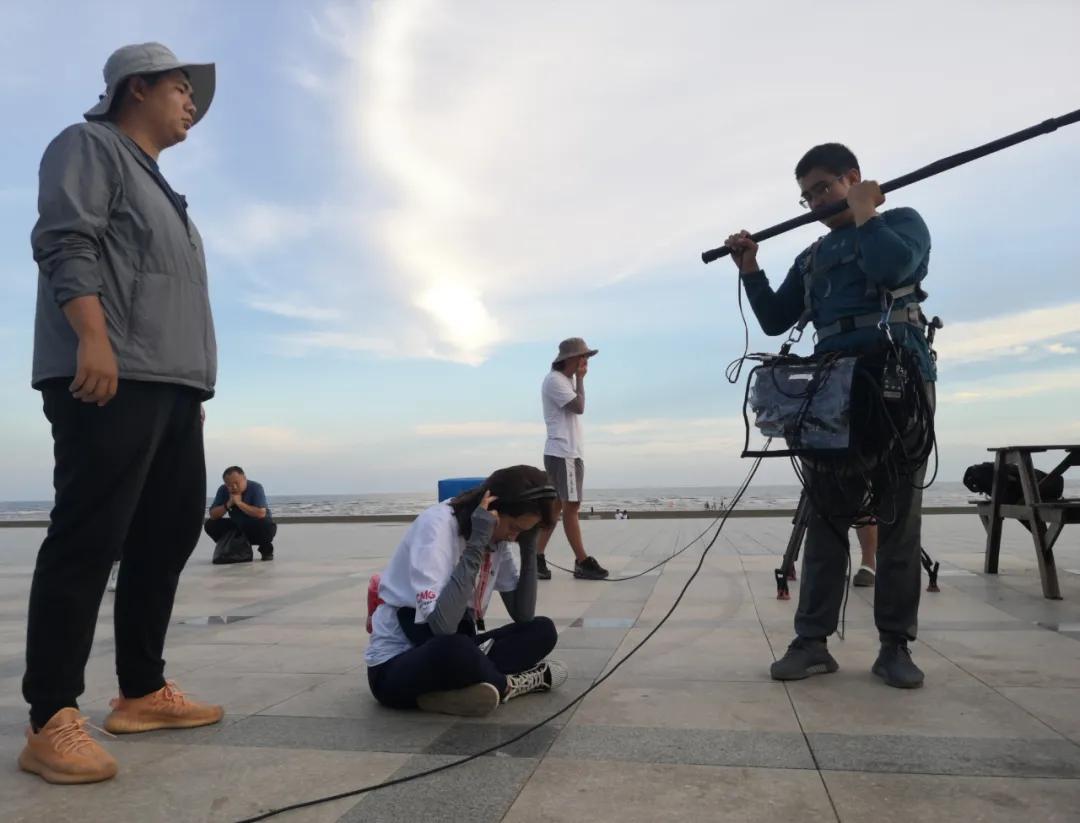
{"x":542,"y":678}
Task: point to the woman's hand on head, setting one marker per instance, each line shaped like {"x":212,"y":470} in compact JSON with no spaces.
{"x":484,"y":514}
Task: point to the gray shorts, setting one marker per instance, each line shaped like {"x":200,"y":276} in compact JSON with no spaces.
{"x":568,"y":475}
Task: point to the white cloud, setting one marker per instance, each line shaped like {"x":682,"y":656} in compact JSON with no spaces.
{"x":481,"y":428}
{"x":1010,"y":334}
{"x":527,"y":151}
{"x":308,"y":79}
{"x":286,"y":308}
{"x":303,"y":342}
{"x":460,"y":318}
{"x":667,"y":437}
{"x":266,"y":440}
{"x":258,"y":228}
{"x":1060,"y":348}
{"x":644,"y":436}
{"x":1014,"y":386}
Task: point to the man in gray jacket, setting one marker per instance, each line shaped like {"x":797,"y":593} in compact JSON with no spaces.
{"x":124,"y":355}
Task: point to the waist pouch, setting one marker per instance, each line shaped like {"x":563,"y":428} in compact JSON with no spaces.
{"x":842,"y":412}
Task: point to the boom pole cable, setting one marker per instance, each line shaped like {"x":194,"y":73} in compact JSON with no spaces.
{"x":408,"y":778}
{"x":663,"y":562}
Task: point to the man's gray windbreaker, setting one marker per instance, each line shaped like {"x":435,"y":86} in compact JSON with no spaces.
{"x":107,"y":227}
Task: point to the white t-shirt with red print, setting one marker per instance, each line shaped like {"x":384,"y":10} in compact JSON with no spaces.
{"x":420,"y":567}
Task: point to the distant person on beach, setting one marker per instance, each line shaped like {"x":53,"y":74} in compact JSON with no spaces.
{"x":428,"y":647}
{"x":563,"y":397}
{"x":124,"y":353}
{"x":868,"y":259}
{"x":240,"y":505}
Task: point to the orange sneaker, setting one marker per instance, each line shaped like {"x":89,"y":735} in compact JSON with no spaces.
{"x":62,"y":751}
{"x":167,"y":708}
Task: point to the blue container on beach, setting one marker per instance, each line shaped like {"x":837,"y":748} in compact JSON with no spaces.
{"x":453,"y":486}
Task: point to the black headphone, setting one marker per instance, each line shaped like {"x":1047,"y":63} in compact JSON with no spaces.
{"x":539,"y":493}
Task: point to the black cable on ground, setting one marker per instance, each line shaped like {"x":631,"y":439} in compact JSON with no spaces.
{"x":657,"y":565}
{"x":398,"y":781}
{"x":732,"y":373}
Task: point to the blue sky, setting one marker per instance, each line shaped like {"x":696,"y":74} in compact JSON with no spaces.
{"x":407,"y":205}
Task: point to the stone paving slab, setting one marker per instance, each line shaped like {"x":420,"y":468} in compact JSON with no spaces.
{"x":388,"y":733}
{"x":901,"y":798}
{"x":708,"y":747}
{"x":1058,"y":708}
{"x":602,"y":791}
{"x":982,"y":757}
{"x":691,"y":727}
{"x":960,"y":708}
{"x":689,"y":704}
{"x":467,"y":738}
{"x":191,"y":784}
{"x":480,"y":791}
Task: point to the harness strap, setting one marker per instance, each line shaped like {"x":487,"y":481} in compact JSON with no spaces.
{"x":808,"y":282}
{"x":910,"y":314}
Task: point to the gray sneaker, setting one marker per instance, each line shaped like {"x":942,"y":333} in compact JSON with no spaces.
{"x":863,"y":578}
{"x":589,"y":569}
{"x":477,"y":700}
{"x":804,"y":657}
{"x":895,"y":666}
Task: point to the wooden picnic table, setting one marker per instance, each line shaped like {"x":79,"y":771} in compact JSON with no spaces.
{"x":1045,"y":520}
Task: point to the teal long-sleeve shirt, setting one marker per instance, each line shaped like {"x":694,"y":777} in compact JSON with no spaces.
{"x":893,"y":250}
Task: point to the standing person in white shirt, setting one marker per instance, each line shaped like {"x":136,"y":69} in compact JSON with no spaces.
{"x":563,"y":395}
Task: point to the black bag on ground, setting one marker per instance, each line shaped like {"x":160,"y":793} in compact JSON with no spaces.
{"x":980,"y":479}
{"x":233,"y":548}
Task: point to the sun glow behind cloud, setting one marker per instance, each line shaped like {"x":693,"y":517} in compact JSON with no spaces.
{"x":524,"y":152}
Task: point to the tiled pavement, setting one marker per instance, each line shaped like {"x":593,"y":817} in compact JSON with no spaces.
{"x":690,"y":728}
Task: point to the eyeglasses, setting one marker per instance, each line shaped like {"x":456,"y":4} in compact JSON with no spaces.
{"x":817,"y":191}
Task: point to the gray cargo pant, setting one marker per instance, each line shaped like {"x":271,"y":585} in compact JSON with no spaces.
{"x":898,"y":586}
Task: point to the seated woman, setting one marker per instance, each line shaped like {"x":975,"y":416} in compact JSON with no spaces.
{"x":425,"y":650}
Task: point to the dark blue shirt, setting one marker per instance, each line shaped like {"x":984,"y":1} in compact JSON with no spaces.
{"x":893,"y":251}
{"x":178,"y":200}
{"x":253,"y":495}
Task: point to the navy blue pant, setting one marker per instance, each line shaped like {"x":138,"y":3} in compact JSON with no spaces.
{"x":454,"y":661}
{"x":258,"y":532}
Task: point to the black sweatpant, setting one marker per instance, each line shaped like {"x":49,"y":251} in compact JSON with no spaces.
{"x":454,"y":661}
{"x":258,"y":532}
{"x":129,"y":475}
{"x":898,"y":582}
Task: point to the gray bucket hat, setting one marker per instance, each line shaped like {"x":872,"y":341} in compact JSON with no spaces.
{"x":573,"y":347}
{"x":148,"y":58}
